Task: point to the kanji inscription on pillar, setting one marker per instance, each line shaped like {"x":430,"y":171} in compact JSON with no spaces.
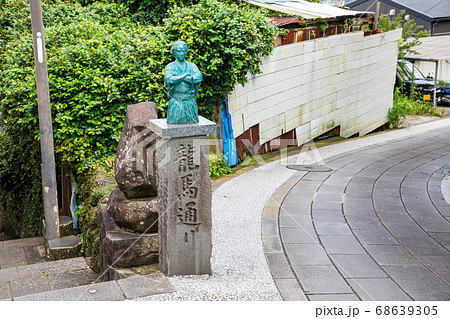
{"x":187,"y":208}
{"x":184,"y":199}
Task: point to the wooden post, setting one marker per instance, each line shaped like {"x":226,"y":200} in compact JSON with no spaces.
{"x":66,"y":191}
{"x":45,"y":124}
{"x":377,"y":15}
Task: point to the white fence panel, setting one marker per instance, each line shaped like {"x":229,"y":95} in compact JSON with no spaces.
{"x":313,"y":86}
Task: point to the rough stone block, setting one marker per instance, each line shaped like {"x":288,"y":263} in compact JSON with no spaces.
{"x":122,"y":273}
{"x":64,"y":247}
{"x":139,"y":215}
{"x":134,"y":165}
{"x":121,"y":248}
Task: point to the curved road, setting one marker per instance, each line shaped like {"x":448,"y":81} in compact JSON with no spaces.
{"x":376,"y":227}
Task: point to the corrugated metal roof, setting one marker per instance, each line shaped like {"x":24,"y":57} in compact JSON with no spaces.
{"x":433,"y":9}
{"x":286,"y":21}
{"x":432,"y":48}
{"x":304,"y":9}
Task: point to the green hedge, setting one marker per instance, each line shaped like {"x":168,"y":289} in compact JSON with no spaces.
{"x":226,"y":42}
{"x":98,"y":63}
{"x":21,"y":206}
{"x":101,"y":59}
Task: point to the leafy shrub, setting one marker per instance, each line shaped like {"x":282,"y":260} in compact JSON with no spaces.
{"x":92,"y":190}
{"x":21,"y":206}
{"x":92,"y":196}
{"x":99,"y":61}
{"x":397,"y":114}
{"x":410,"y":31}
{"x":409,"y":105}
{"x":153,"y":11}
{"x":92,"y":79}
{"x":218,"y":166}
{"x":97,"y":66}
{"x":225,"y":41}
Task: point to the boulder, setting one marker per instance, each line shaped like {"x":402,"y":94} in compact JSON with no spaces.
{"x":135,"y":169}
{"x":138,"y":215}
{"x":121,"y":248}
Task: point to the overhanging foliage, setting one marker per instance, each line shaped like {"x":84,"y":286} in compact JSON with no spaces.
{"x":411,"y":32}
{"x":100,"y":59}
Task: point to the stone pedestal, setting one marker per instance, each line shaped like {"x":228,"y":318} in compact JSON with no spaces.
{"x":120,"y":248}
{"x":64,"y":247}
{"x":184,"y":196}
{"x":138,"y":215}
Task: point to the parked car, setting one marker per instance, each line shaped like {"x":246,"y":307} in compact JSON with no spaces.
{"x":422,"y":85}
{"x":446,"y":95}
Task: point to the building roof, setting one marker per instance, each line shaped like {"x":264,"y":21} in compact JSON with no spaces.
{"x":304,"y":9}
{"x":425,"y":9}
{"x":280,"y":22}
{"x":432,"y":48}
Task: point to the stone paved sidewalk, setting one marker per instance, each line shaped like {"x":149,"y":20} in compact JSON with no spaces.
{"x":27,"y":276}
{"x":25,"y":271}
{"x":21,"y":252}
{"x":376,"y":227}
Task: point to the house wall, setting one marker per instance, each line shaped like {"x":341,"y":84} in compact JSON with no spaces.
{"x":386,"y":7}
{"x":441,"y":27}
{"x":345,"y":80}
{"x":430,"y":68}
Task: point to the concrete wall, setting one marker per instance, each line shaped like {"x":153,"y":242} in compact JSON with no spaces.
{"x":314,"y":86}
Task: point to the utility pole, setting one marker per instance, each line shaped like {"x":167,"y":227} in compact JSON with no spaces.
{"x":377,"y":16}
{"x":45,"y":124}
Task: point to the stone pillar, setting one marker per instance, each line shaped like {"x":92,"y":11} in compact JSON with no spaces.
{"x":184,"y":196}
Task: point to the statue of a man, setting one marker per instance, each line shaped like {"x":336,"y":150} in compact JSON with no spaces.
{"x":182,"y":79}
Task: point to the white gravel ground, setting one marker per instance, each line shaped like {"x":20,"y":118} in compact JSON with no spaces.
{"x":240,"y":271}
{"x":238,"y":263}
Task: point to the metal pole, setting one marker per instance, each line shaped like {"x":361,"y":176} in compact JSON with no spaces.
{"x":45,"y":124}
{"x":435,"y":84}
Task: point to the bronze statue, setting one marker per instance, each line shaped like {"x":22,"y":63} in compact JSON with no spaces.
{"x":182,"y":79}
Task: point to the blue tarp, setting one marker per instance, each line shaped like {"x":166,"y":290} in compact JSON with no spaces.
{"x":74,"y":206}
{"x":229,"y":144}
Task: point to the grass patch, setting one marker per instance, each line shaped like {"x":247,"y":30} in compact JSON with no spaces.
{"x":218,"y":166}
